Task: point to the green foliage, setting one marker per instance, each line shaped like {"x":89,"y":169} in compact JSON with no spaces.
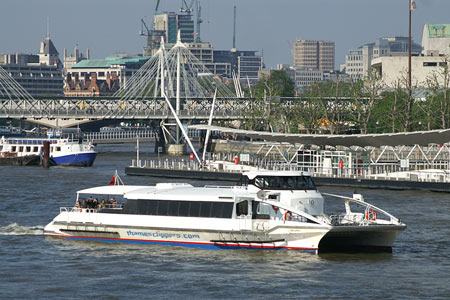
{"x":337,"y":107}
{"x":277,"y":84}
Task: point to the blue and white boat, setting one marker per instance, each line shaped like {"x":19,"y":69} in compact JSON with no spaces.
{"x":63,"y":151}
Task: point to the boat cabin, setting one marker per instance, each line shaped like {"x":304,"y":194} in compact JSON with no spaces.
{"x":260,"y":196}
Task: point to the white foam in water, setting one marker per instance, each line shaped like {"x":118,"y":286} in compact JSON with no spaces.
{"x":16,"y":229}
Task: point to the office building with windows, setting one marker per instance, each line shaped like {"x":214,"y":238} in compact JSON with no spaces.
{"x":358,"y":61}
{"x":312,"y":54}
{"x":41,"y":74}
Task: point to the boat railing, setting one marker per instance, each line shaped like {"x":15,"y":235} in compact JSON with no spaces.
{"x":91,"y":210}
{"x":37,"y":141}
{"x":287,"y":209}
{"x":369,"y":216}
{"x":77,"y":209}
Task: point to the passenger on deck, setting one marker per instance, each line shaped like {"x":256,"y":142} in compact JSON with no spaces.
{"x":95,"y":203}
{"x":103,"y":204}
{"x":77,"y":204}
{"x":90,"y":202}
{"x":113,"y":202}
{"x":83,"y":203}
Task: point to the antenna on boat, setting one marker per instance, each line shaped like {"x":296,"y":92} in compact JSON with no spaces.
{"x":182,"y":129}
{"x":208,"y":131}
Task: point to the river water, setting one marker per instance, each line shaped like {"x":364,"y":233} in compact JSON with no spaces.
{"x":34,"y":266}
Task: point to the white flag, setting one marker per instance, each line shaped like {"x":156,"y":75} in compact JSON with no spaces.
{"x":412,"y":5}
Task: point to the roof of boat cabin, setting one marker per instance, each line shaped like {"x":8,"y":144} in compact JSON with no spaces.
{"x":168,"y":191}
{"x":188,"y":193}
{"x":111,"y":189}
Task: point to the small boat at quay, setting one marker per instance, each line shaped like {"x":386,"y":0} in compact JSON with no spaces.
{"x":10,"y":131}
{"x":266,"y":210}
{"x":63,"y":151}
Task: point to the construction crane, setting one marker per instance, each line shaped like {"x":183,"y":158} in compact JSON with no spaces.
{"x":142,"y":32}
{"x":185,"y":8}
{"x":152,"y":35}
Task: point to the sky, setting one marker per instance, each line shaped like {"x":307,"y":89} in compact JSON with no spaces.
{"x":269,"y":26}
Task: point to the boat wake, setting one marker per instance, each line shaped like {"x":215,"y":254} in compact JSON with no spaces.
{"x":16,"y":229}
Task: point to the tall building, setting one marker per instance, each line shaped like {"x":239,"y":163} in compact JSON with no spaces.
{"x":41,"y":74}
{"x":168,"y":24}
{"x":74,"y":58}
{"x":358,"y":61}
{"x":436,"y":39}
{"x":315,"y":55}
{"x":394,"y":65}
{"x":245,"y":64}
{"x":204,"y":52}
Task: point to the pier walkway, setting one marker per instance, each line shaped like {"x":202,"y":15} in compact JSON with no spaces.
{"x":222,"y":170}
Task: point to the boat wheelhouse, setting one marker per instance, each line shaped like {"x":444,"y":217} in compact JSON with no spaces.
{"x":63,"y":151}
{"x":267,"y":210}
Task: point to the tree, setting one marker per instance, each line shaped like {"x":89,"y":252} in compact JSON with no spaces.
{"x":438,"y":84}
{"x":277,"y":84}
{"x":365,"y":101}
{"x":267,"y":93}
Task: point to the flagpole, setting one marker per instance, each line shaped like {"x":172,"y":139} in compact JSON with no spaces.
{"x":409,"y":118}
{"x":410,"y":51}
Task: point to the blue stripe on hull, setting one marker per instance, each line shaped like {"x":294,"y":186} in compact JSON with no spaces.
{"x":79,"y":159}
{"x":207,"y":246}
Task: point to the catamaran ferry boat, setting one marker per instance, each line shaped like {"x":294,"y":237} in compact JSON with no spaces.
{"x":63,"y":151}
{"x":266,"y":210}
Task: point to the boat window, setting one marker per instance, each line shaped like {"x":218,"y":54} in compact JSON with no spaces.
{"x":217,"y":209}
{"x":162,"y":208}
{"x":274,"y":182}
{"x":173,"y":208}
{"x":35,"y":149}
{"x":242,"y":208}
{"x":58,"y":148}
{"x":183,"y":209}
{"x":13,"y":148}
{"x":205,"y":209}
{"x":261,"y":210}
{"x":284,"y":182}
{"x":20,"y":149}
{"x":28,"y":149}
{"x":261,"y":182}
{"x":194,"y":210}
{"x":179,"y":208}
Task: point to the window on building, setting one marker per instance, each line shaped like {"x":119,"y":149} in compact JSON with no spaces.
{"x":430,"y":64}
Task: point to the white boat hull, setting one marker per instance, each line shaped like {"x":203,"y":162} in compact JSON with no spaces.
{"x":218,"y":233}
{"x":95,"y":226}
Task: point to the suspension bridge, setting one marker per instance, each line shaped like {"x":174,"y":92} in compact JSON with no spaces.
{"x":71,"y":112}
{"x":174,"y":75}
